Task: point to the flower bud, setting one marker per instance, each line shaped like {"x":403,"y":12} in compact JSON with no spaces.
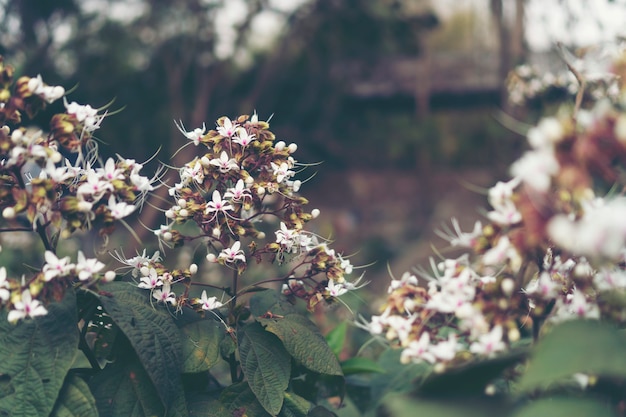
{"x":249,"y":181}
{"x":513,"y":335}
{"x":205,"y":162}
{"x":211,"y":257}
{"x":260,"y":191}
{"x":507,"y":286}
{"x":216,"y":233}
{"x":167,"y":236}
{"x":8,"y":213}
{"x":182,"y":202}
{"x":56,"y":157}
{"x":16,"y":136}
{"x":280,"y":145}
{"x":296,"y":186}
{"x":292,"y":148}
{"x":183,"y":213}
{"x":145,"y":271}
{"x":193,"y":268}
{"x":315,"y":213}
{"x":170,"y":214}
{"x":260,"y":235}
{"x":84,"y":206}
{"x":109,"y":276}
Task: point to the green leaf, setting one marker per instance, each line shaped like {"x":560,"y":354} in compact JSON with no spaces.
{"x":581,"y":346}
{"x":153,"y":335}
{"x":567,"y":407}
{"x":241,"y":401}
{"x":124,"y":388}
{"x":304,"y":342}
{"x":472,"y":378}
{"x":75,"y":400}
{"x":320,"y":411}
{"x":36,"y":355}
{"x":336,"y":338}
{"x":201,"y":345}
{"x":404,"y":406}
{"x":266,"y":364}
{"x":294,"y":406}
{"x":398,"y":377}
{"x":209,"y":408}
{"x":270,"y":301}
{"x":361,"y":365}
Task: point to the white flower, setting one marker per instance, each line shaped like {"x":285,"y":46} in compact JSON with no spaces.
{"x":238,"y":193}
{"x":418,"y":350}
{"x":164,"y":294}
{"x":56,"y":267}
{"x":446,"y":350}
{"x":233,"y":254}
{"x":46,"y":92}
{"x":243,"y":138}
{"x":225,"y":163}
{"x":503,"y":252}
{"x":536,"y":169}
{"x":227,"y":128}
{"x":457,"y":237}
{"x":193,"y":135}
{"x":4,"y":285}
{"x":287,"y":238}
{"x":335,"y":290}
{"x":281,"y":171}
{"x":121,"y":209}
{"x":86,"y":268}
{"x":209,"y":303}
{"x":544,"y":287}
{"x":26,"y":307}
{"x":94,"y":187}
{"x":601,"y":232}
{"x":406,"y":279}
{"x":85,"y":114}
{"x":151,"y":281}
{"x":217,"y":205}
{"x":490,"y":343}
{"x":546,"y":134}
{"x":110,"y":172}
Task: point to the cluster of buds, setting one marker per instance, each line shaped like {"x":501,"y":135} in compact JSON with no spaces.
{"x":553,"y":247}
{"x":54,"y":184}
{"x":240,"y":184}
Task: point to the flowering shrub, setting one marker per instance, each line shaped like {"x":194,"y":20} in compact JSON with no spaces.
{"x":545,"y":266}
{"x":80,"y":336}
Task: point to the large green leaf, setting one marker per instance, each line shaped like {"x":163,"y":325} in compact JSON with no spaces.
{"x":35,"y":356}
{"x":399,"y":377}
{"x":153,"y":334}
{"x":294,"y":406}
{"x":266,"y":364}
{"x":360,"y":365}
{"x":200,"y":407}
{"x":271,"y":302}
{"x":304,"y":342}
{"x":124,"y":389}
{"x":201,"y":345}
{"x":472,"y":378}
{"x":580,"y":346}
{"x":404,"y":406}
{"x":75,"y":400}
{"x":567,"y":407}
{"x":241,"y":401}
{"x":336,"y":338}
